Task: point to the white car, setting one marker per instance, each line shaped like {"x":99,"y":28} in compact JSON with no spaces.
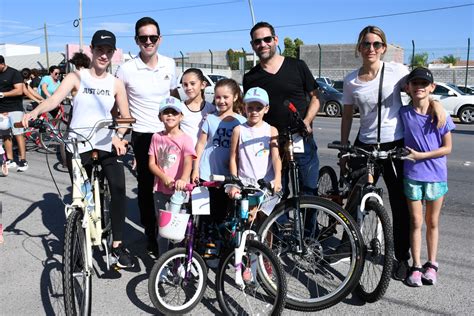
{"x":208,"y":91}
{"x":455,"y":102}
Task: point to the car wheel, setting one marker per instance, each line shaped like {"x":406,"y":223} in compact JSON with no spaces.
{"x":332,"y":109}
{"x":466,"y":114}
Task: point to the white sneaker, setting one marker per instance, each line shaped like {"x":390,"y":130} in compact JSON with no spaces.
{"x":10,"y":164}
{"x":165,"y":273}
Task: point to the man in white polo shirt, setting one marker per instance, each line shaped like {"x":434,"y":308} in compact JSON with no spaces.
{"x":149,"y":78}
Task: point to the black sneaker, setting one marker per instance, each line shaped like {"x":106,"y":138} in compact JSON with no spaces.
{"x":123,"y":257}
{"x":342,"y":253}
{"x":22,"y":166}
{"x":152,"y":247}
{"x":401,"y":270}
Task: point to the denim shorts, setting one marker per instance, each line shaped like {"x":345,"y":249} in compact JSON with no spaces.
{"x":420,"y":190}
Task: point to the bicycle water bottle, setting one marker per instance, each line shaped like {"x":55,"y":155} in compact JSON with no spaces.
{"x":89,"y":197}
{"x":244,"y":208}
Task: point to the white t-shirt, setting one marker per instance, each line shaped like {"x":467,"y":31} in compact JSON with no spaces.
{"x":192,"y":120}
{"x":93,"y":102}
{"x":146,"y":88}
{"x":364,"y":96}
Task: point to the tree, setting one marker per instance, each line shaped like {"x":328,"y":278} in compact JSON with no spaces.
{"x":233,"y":59}
{"x":420,"y":60}
{"x":450,"y":59}
{"x":292,"y":47}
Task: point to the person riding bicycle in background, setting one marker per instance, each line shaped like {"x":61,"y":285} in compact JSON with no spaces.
{"x":361,"y":89}
{"x":286,"y":78}
{"x":425,"y":178}
{"x":171,"y":157}
{"x":254,"y":151}
{"x":49,"y":84}
{"x":28,"y":91}
{"x":96,"y":93}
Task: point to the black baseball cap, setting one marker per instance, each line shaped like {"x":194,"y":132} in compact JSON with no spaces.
{"x":420,"y":73}
{"x":103,"y":37}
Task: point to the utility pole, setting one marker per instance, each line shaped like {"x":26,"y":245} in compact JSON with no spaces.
{"x":80,"y":26}
{"x":46,"y":45}
{"x":253,"y":23}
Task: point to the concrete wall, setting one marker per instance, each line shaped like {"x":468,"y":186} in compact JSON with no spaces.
{"x":342,"y":56}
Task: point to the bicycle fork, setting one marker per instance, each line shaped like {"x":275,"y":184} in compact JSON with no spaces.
{"x":239,"y":252}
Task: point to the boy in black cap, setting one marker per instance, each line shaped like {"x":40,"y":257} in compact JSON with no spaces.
{"x":425,"y":177}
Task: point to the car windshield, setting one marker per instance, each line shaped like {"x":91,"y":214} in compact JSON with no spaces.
{"x":327,"y":87}
{"x":452,"y":86}
{"x":216,"y":78}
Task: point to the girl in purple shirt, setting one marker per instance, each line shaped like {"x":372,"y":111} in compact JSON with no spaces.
{"x":425,"y":177}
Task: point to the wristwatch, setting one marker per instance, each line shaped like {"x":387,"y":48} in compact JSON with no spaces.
{"x":1,"y":95}
{"x":119,"y":135}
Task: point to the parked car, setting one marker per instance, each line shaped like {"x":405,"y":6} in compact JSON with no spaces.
{"x":208,"y":91}
{"x":330,"y":99}
{"x":466,"y":89}
{"x":455,"y":102}
{"x":325,"y":80}
{"x":338,"y":85}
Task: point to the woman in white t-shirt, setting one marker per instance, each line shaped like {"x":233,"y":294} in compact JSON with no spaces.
{"x":95,"y":93}
{"x":361,"y":90}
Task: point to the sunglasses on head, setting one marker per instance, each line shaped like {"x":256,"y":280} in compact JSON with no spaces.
{"x":376,"y":45}
{"x":144,"y":38}
{"x":266,"y":39}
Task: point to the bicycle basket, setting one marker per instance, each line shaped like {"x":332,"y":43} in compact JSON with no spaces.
{"x":173,"y":225}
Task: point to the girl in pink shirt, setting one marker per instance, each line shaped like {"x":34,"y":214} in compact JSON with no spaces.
{"x":170,"y":160}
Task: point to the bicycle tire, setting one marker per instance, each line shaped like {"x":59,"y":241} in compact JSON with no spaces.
{"x":50,"y":143}
{"x":157,"y":286}
{"x":77,"y":293}
{"x":313,"y":283}
{"x":327,"y":182}
{"x":267,"y":290}
{"x":378,"y":249}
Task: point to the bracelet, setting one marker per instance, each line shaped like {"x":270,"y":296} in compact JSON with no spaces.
{"x":1,"y":95}
{"x":119,"y":135}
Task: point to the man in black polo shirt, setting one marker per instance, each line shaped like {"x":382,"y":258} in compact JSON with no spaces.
{"x":11,"y":102}
{"x":286,"y":78}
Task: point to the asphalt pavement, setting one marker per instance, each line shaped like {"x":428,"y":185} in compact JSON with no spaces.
{"x":33,"y":219}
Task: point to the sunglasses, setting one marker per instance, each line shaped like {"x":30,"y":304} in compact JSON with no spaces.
{"x":144,"y":38}
{"x":169,"y":112}
{"x":266,"y":39}
{"x":376,"y":45}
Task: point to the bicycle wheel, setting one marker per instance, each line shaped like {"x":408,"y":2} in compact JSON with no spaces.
{"x":77,"y":278}
{"x":48,"y":141}
{"x":265,"y":285}
{"x":377,"y":233}
{"x":169,"y":291}
{"x":314,"y":283}
{"x":327,"y":182}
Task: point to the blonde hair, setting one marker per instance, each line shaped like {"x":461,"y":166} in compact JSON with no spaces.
{"x":366,"y":30}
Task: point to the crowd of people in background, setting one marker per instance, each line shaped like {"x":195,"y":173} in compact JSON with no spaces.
{"x":176,"y":142}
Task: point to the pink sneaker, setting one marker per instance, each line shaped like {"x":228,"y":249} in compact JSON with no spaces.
{"x":247,"y":275}
{"x":431,"y":273}
{"x":414,"y":278}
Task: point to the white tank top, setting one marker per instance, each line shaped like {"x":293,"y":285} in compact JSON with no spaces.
{"x":93,"y":102}
{"x":255,"y":161}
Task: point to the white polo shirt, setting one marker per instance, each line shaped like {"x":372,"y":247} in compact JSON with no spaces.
{"x":146,"y":87}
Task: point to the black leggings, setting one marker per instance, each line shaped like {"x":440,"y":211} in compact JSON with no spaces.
{"x":115,"y":175}
{"x":398,"y":203}
{"x":141,"y":145}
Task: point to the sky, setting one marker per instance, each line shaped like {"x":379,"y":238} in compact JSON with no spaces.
{"x":438,"y":27}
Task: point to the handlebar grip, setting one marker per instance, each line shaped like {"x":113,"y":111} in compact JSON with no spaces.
{"x":123,"y":121}
{"x":217,"y":177}
{"x":189,"y":187}
{"x":339,"y":146}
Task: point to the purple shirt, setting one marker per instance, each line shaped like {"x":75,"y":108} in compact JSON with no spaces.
{"x":423,"y":136}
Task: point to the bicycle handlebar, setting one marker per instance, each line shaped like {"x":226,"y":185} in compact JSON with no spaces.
{"x":110,"y":123}
{"x":374,"y":153}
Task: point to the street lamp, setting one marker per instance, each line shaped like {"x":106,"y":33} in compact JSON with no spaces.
{"x":253,"y":23}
